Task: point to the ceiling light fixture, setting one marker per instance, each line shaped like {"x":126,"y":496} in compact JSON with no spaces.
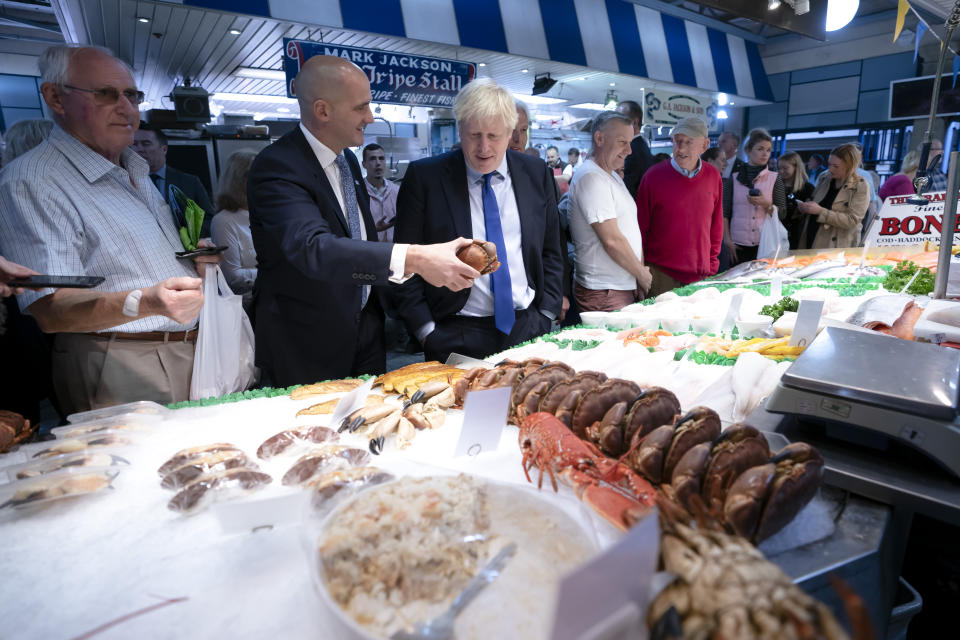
{"x":482,"y":64}
{"x":840,"y":13}
{"x":234,"y":32}
{"x":582,"y":78}
{"x":542,"y":83}
{"x":254,"y":97}
{"x":721,"y":98}
{"x":611,"y":102}
{"x":613,"y":84}
{"x":537,"y":99}
{"x":773,"y":5}
{"x":260,"y":74}
{"x":524,"y":70}
{"x":722,"y":114}
{"x":143,"y":19}
{"x":589,"y":106}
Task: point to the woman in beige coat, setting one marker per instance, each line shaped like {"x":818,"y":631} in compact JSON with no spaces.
{"x":838,"y":204}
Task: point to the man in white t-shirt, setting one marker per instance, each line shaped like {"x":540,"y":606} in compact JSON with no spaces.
{"x":610,"y":273}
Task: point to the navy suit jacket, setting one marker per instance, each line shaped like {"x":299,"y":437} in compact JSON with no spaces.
{"x":434,"y":206}
{"x":309,"y":270}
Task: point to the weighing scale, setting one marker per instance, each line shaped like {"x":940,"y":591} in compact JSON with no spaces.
{"x":882,"y":385}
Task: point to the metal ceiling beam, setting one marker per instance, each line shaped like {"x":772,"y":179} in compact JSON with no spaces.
{"x":692,"y":16}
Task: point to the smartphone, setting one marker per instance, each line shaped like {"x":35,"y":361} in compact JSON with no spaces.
{"x":202,"y":251}
{"x":753,"y":192}
{"x":57,"y":282}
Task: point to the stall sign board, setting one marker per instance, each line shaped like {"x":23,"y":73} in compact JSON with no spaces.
{"x":666,"y":108}
{"x":395,"y":78}
{"x":900,"y":222}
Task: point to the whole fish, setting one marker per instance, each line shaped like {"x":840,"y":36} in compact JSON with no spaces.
{"x":743,"y":269}
{"x":815,"y":268}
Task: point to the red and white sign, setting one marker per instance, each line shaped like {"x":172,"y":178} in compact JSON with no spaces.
{"x":901,"y":223}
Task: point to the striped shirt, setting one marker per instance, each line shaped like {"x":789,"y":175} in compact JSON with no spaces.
{"x":67,"y":210}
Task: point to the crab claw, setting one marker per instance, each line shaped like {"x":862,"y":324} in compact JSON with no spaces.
{"x":357,"y":423}
{"x":376,"y":445}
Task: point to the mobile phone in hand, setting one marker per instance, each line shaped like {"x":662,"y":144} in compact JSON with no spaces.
{"x":56,"y":282}
{"x":754,"y":192}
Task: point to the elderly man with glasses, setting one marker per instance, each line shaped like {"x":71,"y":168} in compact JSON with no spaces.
{"x":82,"y":203}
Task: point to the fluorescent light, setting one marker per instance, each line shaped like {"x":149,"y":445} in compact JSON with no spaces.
{"x":260,"y":74}
{"x":234,"y":32}
{"x":524,"y":70}
{"x":721,"y":98}
{"x":482,"y":64}
{"x":722,"y":114}
{"x":731,"y":104}
{"x":840,"y":13}
{"x":143,"y":19}
{"x":773,"y":5}
{"x":613,"y":84}
{"x":537,"y":99}
{"x":254,"y":97}
{"x":591,"y":106}
{"x":810,"y":135}
{"x":582,"y":78}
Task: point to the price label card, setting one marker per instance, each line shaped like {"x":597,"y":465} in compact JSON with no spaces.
{"x":608,"y":587}
{"x":466,"y":362}
{"x":351,"y":402}
{"x":808,"y":319}
{"x":484,"y":416}
{"x":776,"y":288}
{"x":733,"y":312}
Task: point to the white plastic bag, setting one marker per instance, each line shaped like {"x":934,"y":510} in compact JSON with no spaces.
{"x":223,"y":362}
{"x":773,"y":237}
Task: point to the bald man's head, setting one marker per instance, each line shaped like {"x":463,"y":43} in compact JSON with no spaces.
{"x":334,"y":97}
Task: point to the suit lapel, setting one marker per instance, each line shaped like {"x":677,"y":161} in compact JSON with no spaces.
{"x":524,"y":190}
{"x":454,"y":183}
{"x":325,"y":192}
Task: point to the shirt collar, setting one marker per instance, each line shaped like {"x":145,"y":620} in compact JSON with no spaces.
{"x":91,"y":164}
{"x":684,"y":172}
{"x":373,"y":189}
{"x":162,"y":172}
{"x":325,"y":154}
{"x":474,"y":176}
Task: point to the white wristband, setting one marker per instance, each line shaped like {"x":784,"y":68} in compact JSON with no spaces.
{"x":131,"y":305}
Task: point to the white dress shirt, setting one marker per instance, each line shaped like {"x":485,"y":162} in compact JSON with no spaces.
{"x":326,"y":158}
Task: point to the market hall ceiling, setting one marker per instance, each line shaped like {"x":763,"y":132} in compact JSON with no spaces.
{"x":195,"y":41}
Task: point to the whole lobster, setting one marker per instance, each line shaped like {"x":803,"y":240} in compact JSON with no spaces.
{"x":609,"y":487}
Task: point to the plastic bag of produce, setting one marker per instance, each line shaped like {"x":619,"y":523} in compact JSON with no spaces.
{"x":223,"y":362}
{"x":773,"y":238}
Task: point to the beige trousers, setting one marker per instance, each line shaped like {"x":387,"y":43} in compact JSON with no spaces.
{"x":661,"y":282}
{"x":90,"y":372}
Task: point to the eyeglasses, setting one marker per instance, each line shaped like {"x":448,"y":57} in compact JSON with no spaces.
{"x":110,"y":95}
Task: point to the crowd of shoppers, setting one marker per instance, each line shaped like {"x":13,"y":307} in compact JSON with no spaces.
{"x":323,"y":246}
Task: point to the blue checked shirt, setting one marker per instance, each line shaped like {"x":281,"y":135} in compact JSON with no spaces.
{"x":67,"y":210}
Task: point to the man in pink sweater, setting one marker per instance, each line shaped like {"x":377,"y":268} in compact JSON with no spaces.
{"x":680,"y":212}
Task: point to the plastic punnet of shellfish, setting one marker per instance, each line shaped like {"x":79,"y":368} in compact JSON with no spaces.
{"x":140,"y":407}
{"x":108,"y":440}
{"x":126,"y":422}
{"x":438,"y":531}
{"x":44,"y":490}
{"x":75,"y":460}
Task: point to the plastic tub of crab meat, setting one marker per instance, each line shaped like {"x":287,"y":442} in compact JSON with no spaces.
{"x":44,"y":490}
{"x":399,"y":553}
{"x":101,"y":440}
{"x":141,"y":407}
{"x":144,"y":422}
{"x":75,"y":460}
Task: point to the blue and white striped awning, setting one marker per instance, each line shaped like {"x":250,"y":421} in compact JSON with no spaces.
{"x":606,"y":35}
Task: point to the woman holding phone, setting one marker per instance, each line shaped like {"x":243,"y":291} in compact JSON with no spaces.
{"x":838,"y":204}
{"x":752,"y":194}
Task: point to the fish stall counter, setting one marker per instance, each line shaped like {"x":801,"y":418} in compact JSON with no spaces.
{"x":127,"y":561}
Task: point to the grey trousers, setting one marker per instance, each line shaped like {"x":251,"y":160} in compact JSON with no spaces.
{"x":90,"y":372}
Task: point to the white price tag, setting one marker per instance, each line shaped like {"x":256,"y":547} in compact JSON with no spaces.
{"x":808,"y":319}
{"x":465,"y":362}
{"x":351,"y":402}
{"x":484,"y":416}
{"x":733,"y":312}
{"x":606,"y":587}
{"x":776,"y":288}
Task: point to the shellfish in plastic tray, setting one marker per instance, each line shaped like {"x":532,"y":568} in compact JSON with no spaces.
{"x":420,"y":540}
{"x":143,"y":407}
{"x":90,"y":441}
{"x":223,"y":485}
{"x":126,"y":422}
{"x":76,"y":460}
{"x":56,"y":486}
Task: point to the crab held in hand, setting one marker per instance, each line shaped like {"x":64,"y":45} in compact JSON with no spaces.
{"x":480,"y":255}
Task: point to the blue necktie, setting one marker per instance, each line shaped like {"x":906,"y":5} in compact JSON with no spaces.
{"x":353,"y":210}
{"x":503,"y":313}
